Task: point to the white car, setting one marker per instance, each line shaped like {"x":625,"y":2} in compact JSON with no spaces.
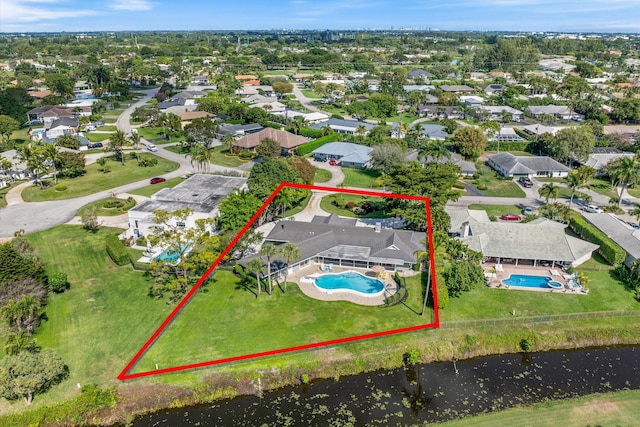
{"x":593,"y":209}
{"x":152,"y":147}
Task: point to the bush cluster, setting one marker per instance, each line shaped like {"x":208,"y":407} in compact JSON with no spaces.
{"x":117,"y":252}
{"x":308,"y":147}
{"x":609,"y":250}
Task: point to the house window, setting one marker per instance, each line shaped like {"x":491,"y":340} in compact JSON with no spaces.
{"x":180,"y":224}
{"x":137,"y":224}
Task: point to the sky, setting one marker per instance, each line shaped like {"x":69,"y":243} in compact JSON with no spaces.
{"x":482,"y":15}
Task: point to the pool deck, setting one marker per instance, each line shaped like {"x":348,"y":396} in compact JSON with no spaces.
{"x":495,"y":280}
{"x":310,"y":290}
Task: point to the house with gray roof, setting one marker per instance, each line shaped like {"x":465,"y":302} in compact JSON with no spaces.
{"x":627,"y":237}
{"x":429,"y":131}
{"x":344,"y":126}
{"x":420,"y":75}
{"x":510,"y":166}
{"x":338,"y":241}
{"x":497,"y":112}
{"x":529,"y":243}
{"x":200,"y":193}
{"x":507,"y":135}
{"x":238,"y":130}
{"x":457,"y":88}
{"x":466,"y":168}
{"x":601,"y":156}
{"x":420,"y":88}
{"x":345,"y":153}
{"x":559,"y":112}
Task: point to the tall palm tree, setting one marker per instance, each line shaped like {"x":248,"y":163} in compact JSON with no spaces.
{"x":574,"y":182}
{"x":228,"y":140}
{"x":269,"y":250}
{"x":636,"y":213}
{"x":326,"y":130}
{"x":134,"y":139}
{"x":257,"y":266}
{"x":548,"y":191}
{"x":289,"y":251}
{"x":50,"y":154}
{"x":436,"y":149}
{"x":117,"y":141}
{"x":625,"y":172}
{"x":361,"y":130}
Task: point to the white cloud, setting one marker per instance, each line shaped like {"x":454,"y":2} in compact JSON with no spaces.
{"x":14,"y":11}
{"x":131,"y":5}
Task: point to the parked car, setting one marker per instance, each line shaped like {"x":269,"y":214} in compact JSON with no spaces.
{"x":525,"y":182}
{"x":510,"y":217}
{"x":527,"y":210}
{"x":333,"y":162}
{"x":593,"y":209}
{"x":152,"y":147}
{"x":157,"y":180}
{"x":634,"y":225}
{"x":98,"y":123}
{"x":90,"y":128}
{"x":95,"y":145}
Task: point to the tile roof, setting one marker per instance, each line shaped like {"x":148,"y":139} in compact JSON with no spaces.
{"x":285,"y":139}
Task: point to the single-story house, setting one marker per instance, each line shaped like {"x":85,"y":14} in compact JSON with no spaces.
{"x":600,"y":156}
{"x":440,"y":112}
{"x":420,"y":75}
{"x":49,"y":113}
{"x":542,"y":129}
{"x":344,"y":126}
{"x":313,"y":118}
{"x":433,"y":132}
{"x":420,"y":88}
{"x":521,"y":243}
{"x":507,"y":135}
{"x":559,"y":112}
{"x":494,"y":89}
{"x":253,"y":87}
{"x":467,"y":168}
{"x":457,"y":88}
{"x":624,"y":235}
{"x":345,"y":153}
{"x":200,"y":80}
{"x":238,"y":130}
{"x":201,"y":193}
{"x":338,"y":241}
{"x":472,"y":100}
{"x":191,"y":94}
{"x":508,"y":165}
{"x":287,"y":140}
{"x":188,"y":116}
{"x":61,"y":126}
{"x":498,"y":111}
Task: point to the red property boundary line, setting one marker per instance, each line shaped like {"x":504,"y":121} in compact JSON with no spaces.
{"x":436,"y":324}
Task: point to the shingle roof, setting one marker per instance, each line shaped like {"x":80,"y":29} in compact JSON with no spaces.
{"x":347,"y":124}
{"x":526,"y":164}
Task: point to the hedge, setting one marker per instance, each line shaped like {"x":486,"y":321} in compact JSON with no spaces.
{"x":308,"y":147}
{"x":509,"y":146}
{"x":311,"y":133}
{"x":609,"y":249}
{"x":116,"y":250}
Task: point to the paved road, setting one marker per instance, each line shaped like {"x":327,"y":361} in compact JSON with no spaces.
{"x":123,"y":122}
{"x":306,"y":102}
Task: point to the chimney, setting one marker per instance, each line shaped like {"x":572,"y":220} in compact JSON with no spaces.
{"x":464,"y":230}
{"x":378,"y":227}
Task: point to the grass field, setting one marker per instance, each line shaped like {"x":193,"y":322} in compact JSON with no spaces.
{"x":233,"y":322}
{"x":95,"y":180}
{"x":490,"y":184}
{"x":310,"y":93}
{"x":322,"y":175}
{"x":634,"y":192}
{"x":605,"y":293}
{"x":342,"y":199}
{"x":151,"y":189}
{"x":100,"y":210}
{"x":97,"y":137}
{"x":156,"y":133}
{"x":108,"y":128}
{"x":361,"y":178}
{"x":496,"y":210}
{"x":3,"y":194}
{"x":219,"y":156}
{"x":611,"y":409}
{"x":99,"y":324}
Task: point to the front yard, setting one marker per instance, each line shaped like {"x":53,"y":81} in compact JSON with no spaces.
{"x":492,"y":185}
{"x":220,"y":156}
{"x":336,"y":203}
{"x":361,"y":178}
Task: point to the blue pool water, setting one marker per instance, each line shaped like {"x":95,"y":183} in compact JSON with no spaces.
{"x":169,"y":255}
{"x":527,"y":281}
{"x":350,"y":281}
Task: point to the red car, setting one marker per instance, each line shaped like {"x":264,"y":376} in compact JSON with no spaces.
{"x":157,"y":180}
{"x":333,"y":162}
{"x":510,"y":217}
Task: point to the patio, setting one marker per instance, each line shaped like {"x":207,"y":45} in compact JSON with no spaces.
{"x":310,"y":290}
{"x":503,"y":271}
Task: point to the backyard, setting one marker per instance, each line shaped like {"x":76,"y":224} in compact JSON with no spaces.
{"x":492,"y":185}
{"x":219,"y":156}
{"x":94,"y":180}
{"x":336,"y":204}
{"x":361,"y":178}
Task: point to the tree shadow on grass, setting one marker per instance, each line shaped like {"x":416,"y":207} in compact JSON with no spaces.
{"x":247,"y":286}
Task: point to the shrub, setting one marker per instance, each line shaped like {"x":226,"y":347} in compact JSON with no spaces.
{"x":116,"y":250}
{"x":609,"y":250}
{"x":58,"y":282}
{"x":526,"y":344}
{"x":113,"y":203}
{"x":304,"y":378}
{"x":349,"y":205}
{"x":147,"y":162}
{"x":311,"y":133}
{"x":60,"y":187}
{"x":337,"y":116}
{"x":482,"y":187}
{"x":411,"y":357}
{"x":308,"y":147}
{"x":443,"y":294}
{"x":142,"y":241}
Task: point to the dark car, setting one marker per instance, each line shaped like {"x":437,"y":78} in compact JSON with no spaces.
{"x":157,"y":180}
{"x":95,"y":145}
{"x":525,"y":182}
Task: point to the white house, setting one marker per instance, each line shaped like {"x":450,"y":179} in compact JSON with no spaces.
{"x":508,"y":165}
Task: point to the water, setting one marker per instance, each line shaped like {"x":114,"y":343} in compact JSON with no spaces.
{"x":170,"y":254}
{"x":350,"y":281}
{"x":528,"y":281}
{"x":424,"y":393}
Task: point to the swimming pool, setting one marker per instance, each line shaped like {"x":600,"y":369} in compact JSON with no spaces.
{"x":350,"y":281}
{"x":170,"y":254}
{"x":526,"y":281}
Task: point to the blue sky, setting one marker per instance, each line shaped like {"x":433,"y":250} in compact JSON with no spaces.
{"x":512,"y":15}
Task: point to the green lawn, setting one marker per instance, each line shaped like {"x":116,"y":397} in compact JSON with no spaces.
{"x":219,"y":156}
{"x":634,"y":192}
{"x":95,"y":180}
{"x":233,"y":322}
{"x":610,"y":409}
{"x":155,"y":133}
{"x":361,"y":178}
{"x":97,"y":137}
{"x":3,"y":194}
{"x":322,"y":175}
{"x":490,"y":184}
{"x":605,"y":293}
{"x":109,"y":120}
{"x":599,"y":185}
{"x":21,"y":135}
{"x":108,"y":128}
{"x":310,"y":93}
{"x":154,"y":188}
{"x":99,"y":324}
{"x":101,"y":210}
{"x":342,"y":199}
{"x":496,"y":210}
{"x":405,"y":118}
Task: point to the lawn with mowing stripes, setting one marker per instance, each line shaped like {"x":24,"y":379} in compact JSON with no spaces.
{"x":154,"y":188}
{"x":361,"y":178}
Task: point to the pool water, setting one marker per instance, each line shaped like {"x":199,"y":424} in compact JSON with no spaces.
{"x":526,"y":281}
{"x":170,"y":254}
{"x":350,"y":281}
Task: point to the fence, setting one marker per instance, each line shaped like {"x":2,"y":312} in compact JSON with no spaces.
{"x":538,"y":319}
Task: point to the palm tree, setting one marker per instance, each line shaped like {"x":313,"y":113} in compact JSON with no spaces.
{"x":289,"y":251}
{"x":297,"y":123}
{"x":436,"y":149}
{"x":257,"y":266}
{"x":404,"y":129}
{"x":134,"y":139}
{"x":636,"y":213}
{"x":574,"y":182}
{"x":269,"y":250}
{"x":549,"y":190}
{"x":22,"y":314}
{"x":117,"y":141}
{"x":326,"y":130}
{"x":625,"y":172}
{"x":361,"y":130}
{"x":31,"y":155}
{"x":19,"y":342}
{"x":50,"y":154}
{"x":228,"y":140}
